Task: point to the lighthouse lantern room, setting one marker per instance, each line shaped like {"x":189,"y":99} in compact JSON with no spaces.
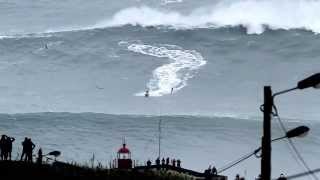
{"x":124,"y":157}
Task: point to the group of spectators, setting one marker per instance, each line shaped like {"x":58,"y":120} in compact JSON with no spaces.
{"x":166,"y":162}
{"x":210,"y":172}
{"x":27,"y":149}
{"x":6,"y":148}
{"x":281,"y":177}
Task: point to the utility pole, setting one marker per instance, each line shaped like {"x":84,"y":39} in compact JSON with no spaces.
{"x":159,"y":143}
{"x":266,"y":138}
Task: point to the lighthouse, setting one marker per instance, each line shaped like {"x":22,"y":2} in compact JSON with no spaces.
{"x":124,"y":157}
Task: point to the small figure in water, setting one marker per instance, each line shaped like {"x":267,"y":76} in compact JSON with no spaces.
{"x":171,"y":90}
{"x":147,"y":93}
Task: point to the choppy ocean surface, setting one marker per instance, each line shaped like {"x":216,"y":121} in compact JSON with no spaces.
{"x":94,"y":58}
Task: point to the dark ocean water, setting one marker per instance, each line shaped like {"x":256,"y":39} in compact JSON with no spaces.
{"x":91,"y":59}
{"x":197,"y":141}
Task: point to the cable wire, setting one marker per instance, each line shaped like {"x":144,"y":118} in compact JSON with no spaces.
{"x":235,"y":162}
{"x":303,"y":174}
{"x":276,"y":114}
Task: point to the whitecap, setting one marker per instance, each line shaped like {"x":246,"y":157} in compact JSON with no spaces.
{"x":258,"y":15}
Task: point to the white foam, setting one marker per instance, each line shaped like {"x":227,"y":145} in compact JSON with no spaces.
{"x":47,"y":33}
{"x":165,"y":2}
{"x":182,"y":66}
{"x":34,"y":35}
{"x":252,"y":14}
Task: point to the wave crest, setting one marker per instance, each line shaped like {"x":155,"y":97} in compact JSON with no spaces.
{"x":252,"y":14}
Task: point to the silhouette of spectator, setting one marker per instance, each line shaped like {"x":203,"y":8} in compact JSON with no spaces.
{"x":158,"y":161}
{"x":282,"y":177}
{"x":40,"y":156}
{"x":148,"y":163}
{"x":214,"y":171}
{"x":24,"y":149}
{"x":167,"y":161}
{"x":163,"y":162}
{"x":207,"y":173}
{"x":3,"y":147}
{"x":237,"y":177}
{"x":178,"y":163}
{"x":8,"y":146}
{"x":29,"y":149}
{"x":174,"y":163}
{"x":259,"y":177}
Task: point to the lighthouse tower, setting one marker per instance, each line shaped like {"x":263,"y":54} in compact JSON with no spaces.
{"x":124,"y":157}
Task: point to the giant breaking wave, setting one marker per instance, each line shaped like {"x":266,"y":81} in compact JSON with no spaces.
{"x":254,"y":15}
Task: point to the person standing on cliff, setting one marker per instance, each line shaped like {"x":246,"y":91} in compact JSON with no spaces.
{"x":29,"y":149}
{"x":24,"y":149}
{"x":3,"y":147}
{"x":8,"y":146}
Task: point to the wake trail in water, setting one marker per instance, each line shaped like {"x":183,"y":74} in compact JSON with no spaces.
{"x":182,"y":66}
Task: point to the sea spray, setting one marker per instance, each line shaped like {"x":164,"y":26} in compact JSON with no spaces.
{"x":254,"y":15}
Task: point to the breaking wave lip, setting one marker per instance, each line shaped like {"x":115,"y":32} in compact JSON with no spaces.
{"x":254,"y":15}
{"x":175,"y":74}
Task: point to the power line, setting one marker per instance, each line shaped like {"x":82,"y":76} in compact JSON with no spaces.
{"x":276,"y":114}
{"x":299,"y":175}
{"x":233,"y":163}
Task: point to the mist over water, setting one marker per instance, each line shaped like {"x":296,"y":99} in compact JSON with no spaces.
{"x":101,"y":56}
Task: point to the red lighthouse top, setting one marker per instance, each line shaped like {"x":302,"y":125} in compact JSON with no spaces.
{"x":124,"y":157}
{"x":124,"y":150}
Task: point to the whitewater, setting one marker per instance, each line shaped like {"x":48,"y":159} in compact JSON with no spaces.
{"x":73,"y":75}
